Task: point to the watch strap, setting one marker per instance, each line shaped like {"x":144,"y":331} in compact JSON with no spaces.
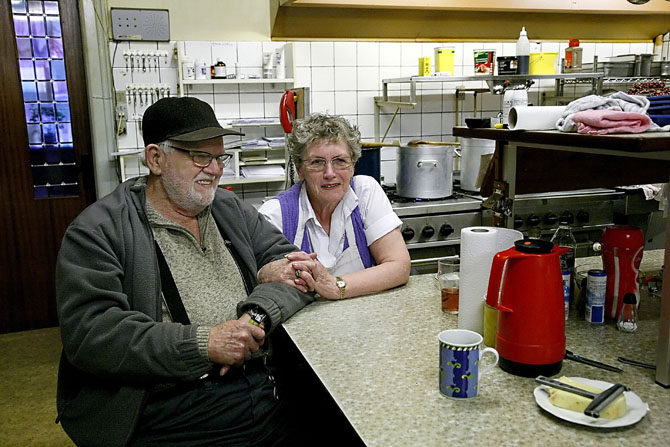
{"x":342,"y":285}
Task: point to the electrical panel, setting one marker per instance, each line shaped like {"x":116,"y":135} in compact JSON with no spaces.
{"x":140,"y":24}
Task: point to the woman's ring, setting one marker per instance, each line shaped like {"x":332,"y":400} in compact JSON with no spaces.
{"x":298,"y":273}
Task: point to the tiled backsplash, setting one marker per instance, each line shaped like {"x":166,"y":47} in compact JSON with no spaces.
{"x":344,"y":78}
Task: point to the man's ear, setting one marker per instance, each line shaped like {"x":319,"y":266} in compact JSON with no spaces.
{"x":155,"y":158}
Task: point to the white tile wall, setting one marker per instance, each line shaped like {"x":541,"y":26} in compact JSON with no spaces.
{"x":344,"y":78}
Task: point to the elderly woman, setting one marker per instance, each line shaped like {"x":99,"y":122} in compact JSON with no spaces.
{"x":345,"y":221}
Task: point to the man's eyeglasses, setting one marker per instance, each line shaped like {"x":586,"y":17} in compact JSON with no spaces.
{"x":319,"y":164}
{"x":203,"y":159}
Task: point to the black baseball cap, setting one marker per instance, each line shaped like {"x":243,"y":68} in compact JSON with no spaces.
{"x":181,"y":119}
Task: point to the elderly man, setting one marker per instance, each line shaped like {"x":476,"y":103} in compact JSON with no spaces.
{"x":166,"y":291}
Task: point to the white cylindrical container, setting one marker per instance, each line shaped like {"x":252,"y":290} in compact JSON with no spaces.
{"x":472,"y":151}
{"x":187,"y":69}
{"x":513,"y":98}
{"x":201,"y":69}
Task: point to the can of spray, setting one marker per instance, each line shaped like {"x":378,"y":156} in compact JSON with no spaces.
{"x":566,"y":291}
{"x":596,"y":288}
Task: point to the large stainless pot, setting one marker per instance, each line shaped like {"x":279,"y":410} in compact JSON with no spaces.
{"x":425,"y":171}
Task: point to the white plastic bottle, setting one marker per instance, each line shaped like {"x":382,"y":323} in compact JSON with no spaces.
{"x":523,"y":52}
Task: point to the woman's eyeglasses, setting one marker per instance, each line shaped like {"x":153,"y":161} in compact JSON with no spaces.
{"x":203,"y":159}
{"x":319,"y":164}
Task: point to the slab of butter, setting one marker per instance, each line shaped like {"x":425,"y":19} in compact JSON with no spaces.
{"x":575,"y":402}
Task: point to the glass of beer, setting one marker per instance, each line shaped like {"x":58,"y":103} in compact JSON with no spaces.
{"x":448,"y":272}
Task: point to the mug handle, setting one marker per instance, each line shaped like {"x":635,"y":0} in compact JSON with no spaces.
{"x":490,"y":367}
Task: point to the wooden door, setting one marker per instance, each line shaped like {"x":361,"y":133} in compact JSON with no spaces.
{"x":46,"y":171}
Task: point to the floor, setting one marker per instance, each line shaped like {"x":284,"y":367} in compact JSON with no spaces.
{"x":28,"y":396}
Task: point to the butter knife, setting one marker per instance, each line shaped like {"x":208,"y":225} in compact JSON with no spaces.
{"x":577,"y":358}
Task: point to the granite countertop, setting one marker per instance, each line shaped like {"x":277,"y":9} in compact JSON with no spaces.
{"x":378,"y":357}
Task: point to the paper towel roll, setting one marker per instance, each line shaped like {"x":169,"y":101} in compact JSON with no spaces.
{"x":534,"y":118}
{"x":478,"y":246}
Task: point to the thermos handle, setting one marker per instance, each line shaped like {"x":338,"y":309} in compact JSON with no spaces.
{"x":493,"y":296}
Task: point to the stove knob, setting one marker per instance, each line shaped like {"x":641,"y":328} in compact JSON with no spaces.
{"x":583,"y":216}
{"x":428,"y":232}
{"x":407,"y":234}
{"x":446,"y":230}
{"x":532,"y":220}
{"x":567,"y":217}
{"x":518,"y":221}
{"x":550,"y":218}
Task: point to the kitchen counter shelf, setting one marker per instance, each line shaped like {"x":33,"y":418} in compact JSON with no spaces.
{"x":496,"y":85}
{"x":238,"y":81}
{"x":225,"y":181}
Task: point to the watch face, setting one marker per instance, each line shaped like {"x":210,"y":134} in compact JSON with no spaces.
{"x":340,"y":283}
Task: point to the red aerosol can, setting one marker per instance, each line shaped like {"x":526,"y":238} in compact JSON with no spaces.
{"x":622,"y":248}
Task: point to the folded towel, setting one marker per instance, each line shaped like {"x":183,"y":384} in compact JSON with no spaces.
{"x":619,"y":101}
{"x":601,"y":122}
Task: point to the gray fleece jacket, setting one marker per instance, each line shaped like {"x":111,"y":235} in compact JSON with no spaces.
{"x":115,"y":346}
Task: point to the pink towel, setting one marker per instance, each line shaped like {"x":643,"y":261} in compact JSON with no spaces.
{"x":601,"y":122}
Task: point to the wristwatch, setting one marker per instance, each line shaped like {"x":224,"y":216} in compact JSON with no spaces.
{"x":342,"y":285}
{"x":258,"y":316}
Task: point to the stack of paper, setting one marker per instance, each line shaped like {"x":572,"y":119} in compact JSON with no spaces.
{"x":262,"y":171}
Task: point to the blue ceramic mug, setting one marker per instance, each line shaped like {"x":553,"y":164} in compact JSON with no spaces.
{"x":460,"y":355}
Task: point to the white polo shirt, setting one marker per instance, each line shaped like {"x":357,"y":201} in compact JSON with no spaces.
{"x":376,"y":213}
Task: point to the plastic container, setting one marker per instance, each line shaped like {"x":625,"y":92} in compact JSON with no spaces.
{"x":543,"y":63}
{"x":472,"y":151}
{"x":564,"y":238}
{"x":188,"y":69}
{"x":523,"y":52}
{"x":513,"y":98}
{"x":573,"y":55}
{"x":507,"y":65}
{"x":623,"y":69}
{"x":485,"y":61}
{"x":444,"y":60}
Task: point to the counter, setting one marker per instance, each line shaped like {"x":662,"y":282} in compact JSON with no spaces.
{"x":378,"y":358}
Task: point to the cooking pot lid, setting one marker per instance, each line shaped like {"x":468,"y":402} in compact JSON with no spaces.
{"x":535,"y":246}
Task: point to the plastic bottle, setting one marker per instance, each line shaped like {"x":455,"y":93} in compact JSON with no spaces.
{"x":628,"y":317}
{"x":523,"y":52}
{"x":565,"y":239}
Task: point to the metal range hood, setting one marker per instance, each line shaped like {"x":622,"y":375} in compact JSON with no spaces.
{"x":480,"y":20}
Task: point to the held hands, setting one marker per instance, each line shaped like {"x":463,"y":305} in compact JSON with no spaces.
{"x":314,"y":276}
{"x":233,"y":342}
{"x":281,"y":270}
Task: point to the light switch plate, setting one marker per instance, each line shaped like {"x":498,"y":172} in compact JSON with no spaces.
{"x":140,"y":24}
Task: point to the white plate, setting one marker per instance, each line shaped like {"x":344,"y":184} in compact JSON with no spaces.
{"x":635,"y":408}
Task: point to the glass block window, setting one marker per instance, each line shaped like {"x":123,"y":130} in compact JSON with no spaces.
{"x":41,"y":65}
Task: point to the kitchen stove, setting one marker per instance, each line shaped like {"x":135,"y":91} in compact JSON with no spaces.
{"x":432,"y":228}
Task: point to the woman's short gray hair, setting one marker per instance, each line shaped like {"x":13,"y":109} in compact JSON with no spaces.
{"x":320,"y":127}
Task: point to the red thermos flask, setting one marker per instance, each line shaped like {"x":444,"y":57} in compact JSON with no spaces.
{"x":622,"y":253}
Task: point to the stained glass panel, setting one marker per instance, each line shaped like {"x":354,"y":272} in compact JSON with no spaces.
{"x":29,"y":91}
{"x":56,"y":48}
{"x":42,"y":70}
{"x":53,"y":27}
{"x":40,"y":49}
{"x":58,"y":70}
{"x":44,"y":91}
{"x":48,"y":113}
{"x":37,"y":28}
{"x":24,"y":49}
{"x":40,"y":52}
{"x":51,"y":8}
{"x":32,"y":113}
{"x":27,"y":70}
{"x":19,"y":6}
